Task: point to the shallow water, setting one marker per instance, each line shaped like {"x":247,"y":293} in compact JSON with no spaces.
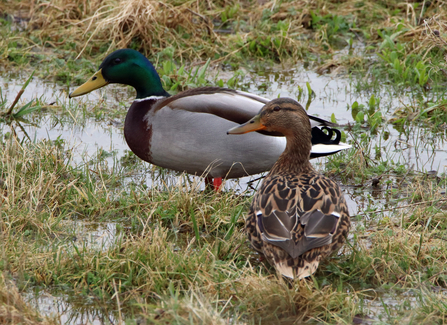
{"x":383,"y":308}
{"x":71,"y":310}
{"x":417,"y":149}
{"x":95,"y":235}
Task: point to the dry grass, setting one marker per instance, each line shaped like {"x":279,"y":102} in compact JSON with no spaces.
{"x":431,"y":33}
{"x":178,"y":259}
{"x":193,"y":29}
{"x":13,"y":308}
{"x":152,"y":23}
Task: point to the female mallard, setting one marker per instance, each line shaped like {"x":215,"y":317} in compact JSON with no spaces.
{"x":187,"y":132}
{"x":297,"y":216}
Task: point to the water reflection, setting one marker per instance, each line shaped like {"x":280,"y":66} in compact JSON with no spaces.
{"x":94,"y":235}
{"x":72,"y":309}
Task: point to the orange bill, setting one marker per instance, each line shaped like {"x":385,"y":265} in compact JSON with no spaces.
{"x":252,"y":125}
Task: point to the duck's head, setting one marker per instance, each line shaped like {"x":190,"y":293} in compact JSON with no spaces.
{"x":128,"y":67}
{"x":283,"y":115}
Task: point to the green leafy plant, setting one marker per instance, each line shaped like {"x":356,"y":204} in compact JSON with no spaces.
{"x":331,"y":27}
{"x":177,"y":79}
{"x":369,"y":114}
{"x":403,"y":68}
{"x":23,"y":110}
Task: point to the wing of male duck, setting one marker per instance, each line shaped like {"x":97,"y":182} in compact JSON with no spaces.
{"x":239,"y":106}
{"x":233,"y":105}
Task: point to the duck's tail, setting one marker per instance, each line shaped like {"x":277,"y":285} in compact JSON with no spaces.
{"x":324,"y":143}
{"x":299,"y":273}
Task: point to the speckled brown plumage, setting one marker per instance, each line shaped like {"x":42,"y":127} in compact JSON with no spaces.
{"x":297,"y":216}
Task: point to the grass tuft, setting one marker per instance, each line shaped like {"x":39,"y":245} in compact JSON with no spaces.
{"x":15,"y":310}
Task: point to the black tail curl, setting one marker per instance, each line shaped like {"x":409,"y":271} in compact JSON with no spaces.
{"x":320,"y":137}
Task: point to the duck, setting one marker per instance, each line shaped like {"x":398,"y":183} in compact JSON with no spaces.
{"x":186,"y":132}
{"x":298,"y":216}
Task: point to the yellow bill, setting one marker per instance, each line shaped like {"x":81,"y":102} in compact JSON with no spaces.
{"x":252,"y":125}
{"x":95,"y":82}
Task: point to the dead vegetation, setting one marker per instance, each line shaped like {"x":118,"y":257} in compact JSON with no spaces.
{"x":230,"y":29}
{"x":15,"y":310}
{"x":179,"y":256}
{"x":182,"y":256}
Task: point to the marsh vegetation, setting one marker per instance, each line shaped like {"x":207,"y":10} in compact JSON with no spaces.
{"x":98,"y":235}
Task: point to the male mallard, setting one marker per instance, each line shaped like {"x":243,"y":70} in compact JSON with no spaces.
{"x":187,"y":131}
{"x":297,"y":216}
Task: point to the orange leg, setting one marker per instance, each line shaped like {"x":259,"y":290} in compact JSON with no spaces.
{"x":213,"y":183}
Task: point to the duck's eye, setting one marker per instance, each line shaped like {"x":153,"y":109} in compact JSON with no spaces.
{"x":117,"y":61}
{"x":276,"y":108}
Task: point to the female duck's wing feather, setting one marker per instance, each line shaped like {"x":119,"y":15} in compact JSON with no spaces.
{"x":300,"y":214}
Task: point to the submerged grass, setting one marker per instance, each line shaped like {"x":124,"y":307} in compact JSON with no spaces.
{"x":15,"y":310}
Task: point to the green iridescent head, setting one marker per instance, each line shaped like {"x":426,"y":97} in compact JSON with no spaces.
{"x":128,"y":67}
